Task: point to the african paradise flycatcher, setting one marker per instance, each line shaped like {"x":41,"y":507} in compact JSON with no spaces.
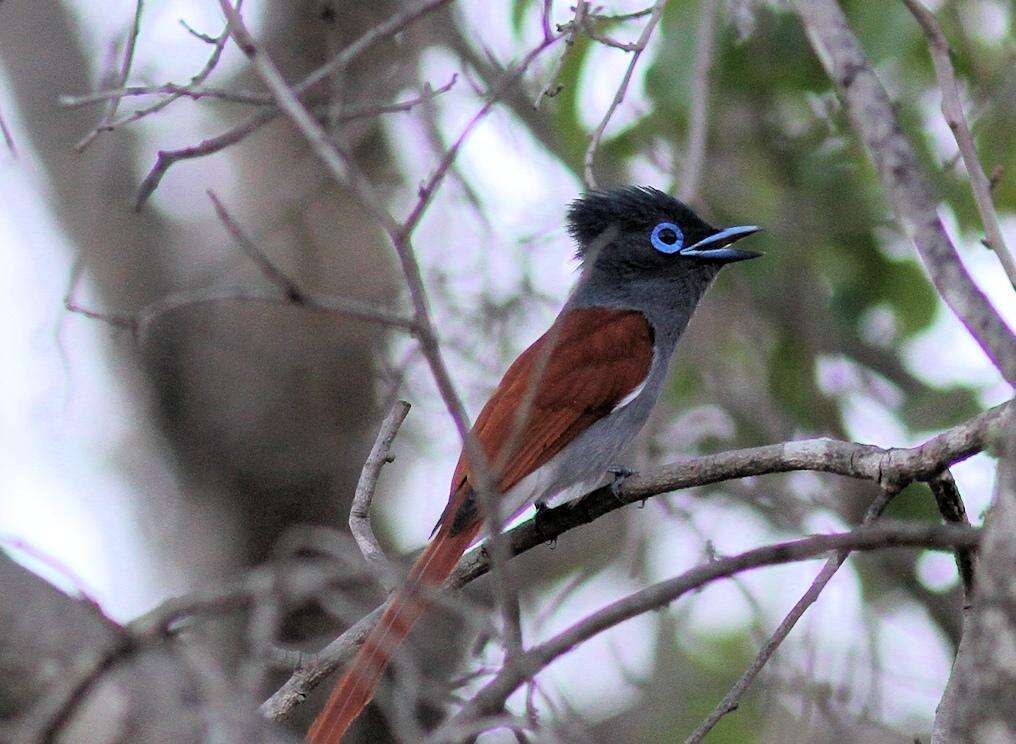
{"x":589,"y":384}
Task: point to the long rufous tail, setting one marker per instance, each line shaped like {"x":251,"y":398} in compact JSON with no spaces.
{"x":356,"y":688}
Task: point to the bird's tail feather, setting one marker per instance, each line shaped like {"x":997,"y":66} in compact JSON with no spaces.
{"x":356,"y":688}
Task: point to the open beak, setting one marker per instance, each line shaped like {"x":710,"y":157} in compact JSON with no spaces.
{"x":717,"y":246}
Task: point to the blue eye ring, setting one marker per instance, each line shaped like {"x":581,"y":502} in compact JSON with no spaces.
{"x":660,"y":244}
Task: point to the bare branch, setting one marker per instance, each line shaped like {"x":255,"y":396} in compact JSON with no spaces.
{"x":952,"y":109}
{"x":197,"y":34}
{"x":271,"y":272}
{"x":429,"y":188}
{"x":624,"y":16}
{"x":622,"y":90}
{"x":874,"y":119}
{"x":867,"y":462}
{"x":551,"y":89}
{"x":176,"y":92}
{"x":393,"y":25}
{"x":167,"y":158}
{"x":187,"y":91}
{"x":250,"y":99}
{"x":491,"y":698}
{"x":140,"y":322}
{"x":732,"y":699}
{"x":359,"y":512}
{"x":125,"y":71}
{"x":390,"y":27}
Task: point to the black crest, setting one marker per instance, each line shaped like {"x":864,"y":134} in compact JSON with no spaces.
{"x":627,"y":209}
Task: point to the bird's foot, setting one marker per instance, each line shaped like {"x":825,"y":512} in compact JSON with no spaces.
{"x":539,"y":522}
{"x":621,"y":474}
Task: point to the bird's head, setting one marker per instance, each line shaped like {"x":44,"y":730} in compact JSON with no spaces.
{"x":638,"y":232}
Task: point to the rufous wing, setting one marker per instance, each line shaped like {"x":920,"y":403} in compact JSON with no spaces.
{"x":574,"y":374}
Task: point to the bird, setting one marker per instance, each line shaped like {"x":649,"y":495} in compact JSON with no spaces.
{"x":571,"y":403}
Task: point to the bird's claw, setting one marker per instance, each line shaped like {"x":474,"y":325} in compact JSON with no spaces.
{"x":541,"y":510}
{"x":621,"y":474}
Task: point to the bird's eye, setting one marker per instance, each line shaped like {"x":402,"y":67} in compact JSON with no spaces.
{"x":667,"y":238}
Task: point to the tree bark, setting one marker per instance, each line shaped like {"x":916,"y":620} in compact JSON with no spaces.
{"x":978,"y":704}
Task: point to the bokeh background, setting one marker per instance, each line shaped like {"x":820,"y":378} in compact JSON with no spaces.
{"x":141,"y":468}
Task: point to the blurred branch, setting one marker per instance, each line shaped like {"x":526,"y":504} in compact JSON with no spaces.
{"x":78,"y":651}
{"x":176,"y":92}
{"x":271,"y":272}
{"x":695,"y":154}
{"x":893,"y":155}
{"x":950,"y":506}
{"x":390,"y":27}
{"x":250,"y":99}
{"x":359,"y":512}
{"x":889,"y":467}
{"x":624,"y":16}
{"x":491,"y":698}
{"x":551,"y":89}
{"x":622,"y":90}
{"x":125,"y":71}
{"x":952,"y":110}
{"x":138,"y":323}
{"x":8,"y":138}
{"x":732,"y":699}
{"x":186,"y":91}
{"x":165,"y":159}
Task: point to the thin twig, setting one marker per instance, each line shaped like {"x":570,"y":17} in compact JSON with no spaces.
{"x":125,"y":71}
{"x":140,"y":322}
{"x":551,"y":89}
{"x":732,"y":699}
{"x":695,"y":152}
{"x":8,"y":137}
{"x":250,"y":99}
{"x":187,"y":91}
{"x":218,"y":44}
{"x":622,"y":90}
{"x":165,"y":159}
{"x":623,"y":16}
{"x":197,"y":34}
{"x":271,"y":272}
{"x":391,"y":26}
{"x":359,"y":512}
{"x":952,"y":110}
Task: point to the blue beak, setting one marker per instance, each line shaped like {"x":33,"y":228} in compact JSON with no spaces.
{"x":717,"y":246}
